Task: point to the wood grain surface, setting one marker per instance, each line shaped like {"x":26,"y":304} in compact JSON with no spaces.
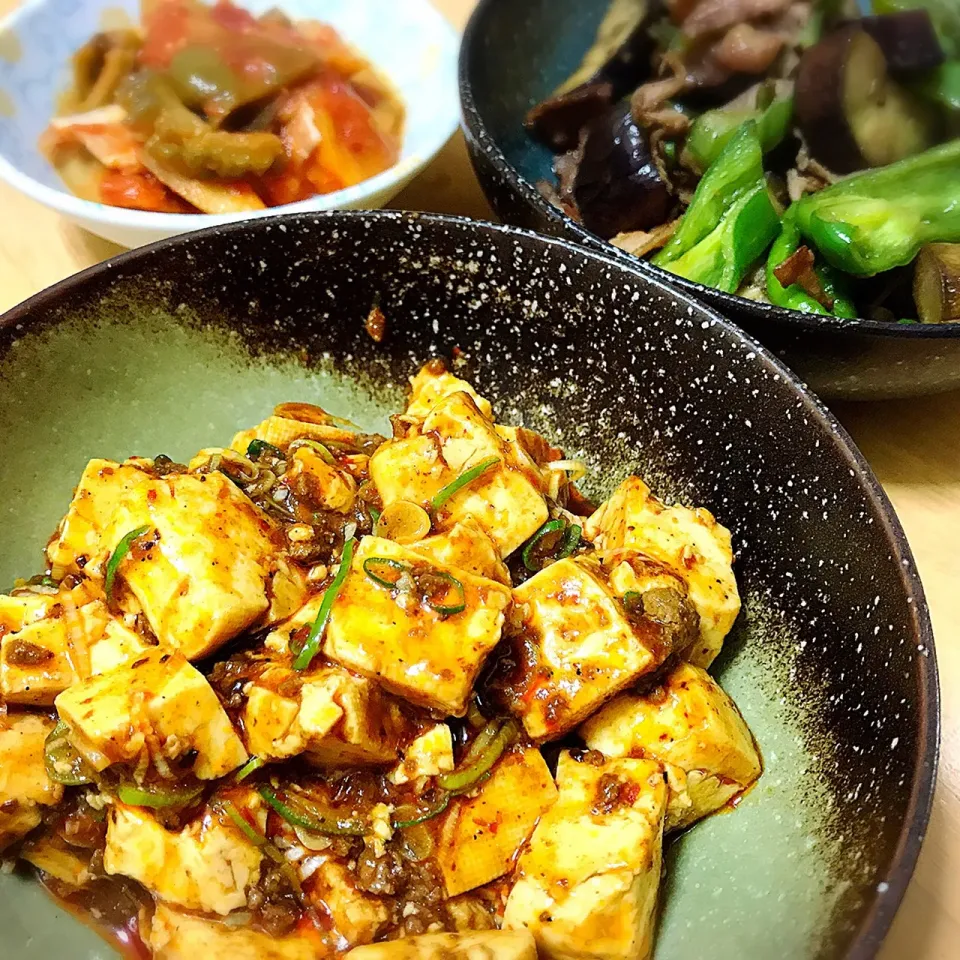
{"x":914,"y":446}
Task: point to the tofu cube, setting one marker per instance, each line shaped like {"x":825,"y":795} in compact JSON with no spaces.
{"x":506,"y":500}
{"x":184,"y":936}
{"x":77,"y":638}
{"x":205,"y":578}
{"x":480,"y":836}
{"x":24,"y":784}
{"x":158,"y":699}
{"x":322,"y":483}
{"x":690,"y":724}
{"x":330,"y":715}
{"x":357,"y":916}
{"x":427,"y":657}
{"x":428,"y":388}
{"x":466,"y":546}
{"x":589,"y":879}
{"x":429,"y":754}
{"x":482,"y":945}
{"x":690,"y":542}
{"x":586,"y":647}
{"x":102,"y":486}
{"x":207,"y":866}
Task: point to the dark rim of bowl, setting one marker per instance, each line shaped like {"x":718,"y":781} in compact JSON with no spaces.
{"x":873,"y":929}
{"x":476,"y":130}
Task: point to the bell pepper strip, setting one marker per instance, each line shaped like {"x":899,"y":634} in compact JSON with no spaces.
{"x":736,"y":172}
{"x":312,"y":644}
{"x":721,"y":260}
{"x":484,"y":752}
{"x":296,"y":816}
{"x":879,"y":220}
{"x":157,"y":798}
{"x":713,"y":130}
{"x":117,"y":557}
{"x":794,"y":297}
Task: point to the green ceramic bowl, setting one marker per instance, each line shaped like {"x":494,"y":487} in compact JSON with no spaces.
{"x":174,"y":347}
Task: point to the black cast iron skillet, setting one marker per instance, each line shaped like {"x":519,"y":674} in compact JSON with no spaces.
{"x":515,"y":52}
{"x":173,"y":347}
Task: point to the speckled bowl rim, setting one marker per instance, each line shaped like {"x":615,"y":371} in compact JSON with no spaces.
{"x":68,"y":204}
{"x":476,"y":130}
{"x":869,"y":937}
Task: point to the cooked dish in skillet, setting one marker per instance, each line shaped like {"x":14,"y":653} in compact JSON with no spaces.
{"x":209,"y":109}
{"x":321,"y":691}
{"x":790,"y":151}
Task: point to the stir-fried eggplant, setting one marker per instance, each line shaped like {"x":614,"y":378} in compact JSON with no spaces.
{"x":618,"y":186}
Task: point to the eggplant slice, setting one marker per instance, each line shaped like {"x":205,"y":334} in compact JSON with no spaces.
{"x":617,"y":186}
{"x":908,"y":40}
{"x":618,"y":60}
{"x":851,"y":113}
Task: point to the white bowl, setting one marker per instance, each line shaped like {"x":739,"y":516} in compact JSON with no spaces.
{"x":407,"y":39}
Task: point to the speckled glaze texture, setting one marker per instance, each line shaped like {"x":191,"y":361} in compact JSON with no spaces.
{"x":832,"y":662}
{"x":409,"y":41}
{"x":514,"y":53}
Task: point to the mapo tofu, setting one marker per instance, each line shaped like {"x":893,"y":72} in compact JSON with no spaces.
{"x":320,"y":692}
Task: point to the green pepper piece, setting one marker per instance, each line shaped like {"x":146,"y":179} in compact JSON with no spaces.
{"x":942,"y":86}
{"x":878,"y":220}
{"x":721,"y":260}
{"x":795,"y":297}
{"x":157,"y":798}
{"x":199,"y":75}
{"x":256,"y":447}
{"x":298,"y":817}
{"x":713,"y":130}
{"x":737,"y":171}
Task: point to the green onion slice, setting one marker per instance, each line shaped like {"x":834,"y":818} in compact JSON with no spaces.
{"x":256,"y":447}
{"x":116,"y":558}
{"x":465,"y":478}
{"x":484,"y":752}
{"x":371,"y":568}
{"x":312,"y":643}
{"x":157,"y":798}
{"x":422,"y":816}
{"x":446,"y":605}
{"x":62,"y":761}
{"x":316,"y":446}
{"x":296,"y":816}
{"x":458,"y":602}
{"x":251,"y":766}
{"x":570,"y":542}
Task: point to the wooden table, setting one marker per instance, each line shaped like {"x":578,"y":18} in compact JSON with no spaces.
{"x":914,"y":446}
